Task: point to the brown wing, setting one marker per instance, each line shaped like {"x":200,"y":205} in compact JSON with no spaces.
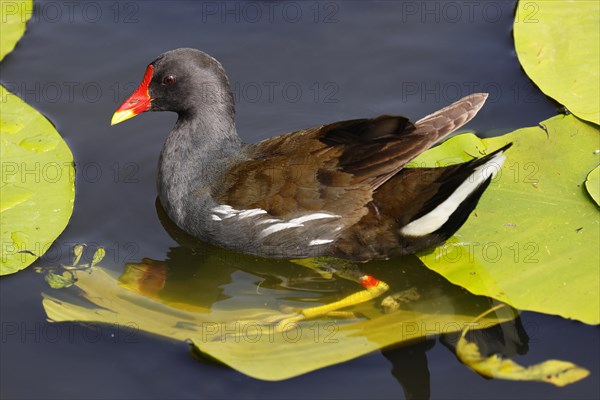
{"x":335,"y":167}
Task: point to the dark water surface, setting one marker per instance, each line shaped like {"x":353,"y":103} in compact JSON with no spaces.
{"x":292,"y":65}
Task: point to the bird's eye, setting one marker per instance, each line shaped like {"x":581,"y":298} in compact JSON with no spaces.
{"x":169,"y":80}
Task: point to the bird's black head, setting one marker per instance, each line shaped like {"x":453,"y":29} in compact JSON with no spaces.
{"x":186,"y":81}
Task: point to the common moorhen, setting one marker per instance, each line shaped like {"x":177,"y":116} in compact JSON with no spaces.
{"x":338,"y":190}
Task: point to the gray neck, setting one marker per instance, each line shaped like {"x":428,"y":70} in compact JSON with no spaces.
{"x":195,"y":155}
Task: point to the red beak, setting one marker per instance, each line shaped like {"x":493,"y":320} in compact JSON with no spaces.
{"x":137,"y":103}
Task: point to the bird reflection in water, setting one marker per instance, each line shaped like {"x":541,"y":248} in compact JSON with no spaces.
{"x":215,"y":273}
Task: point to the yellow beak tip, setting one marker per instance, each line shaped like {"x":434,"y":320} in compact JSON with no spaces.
{"x":121,"y":116}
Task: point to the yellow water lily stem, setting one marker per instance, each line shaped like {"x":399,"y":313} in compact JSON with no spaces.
{"x":480,"y":316}
{"x":373,"y":289}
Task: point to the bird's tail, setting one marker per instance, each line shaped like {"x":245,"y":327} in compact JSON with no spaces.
{"x":446,"y":211}
{"x":443,"y":122}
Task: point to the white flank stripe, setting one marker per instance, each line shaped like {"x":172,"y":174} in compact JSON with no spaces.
{"x":275,"y":224}
{"x":317,"y":242}
{"x":311,"y":217}
{"x":224,"y":209}
{"x":251,"y":213}
{"x":278,"y":227}
{"x":433,"y":220}
{"x":267,"y":221}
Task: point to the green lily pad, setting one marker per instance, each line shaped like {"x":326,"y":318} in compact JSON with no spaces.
{"x":13,"y":18}
{"x":592,"y":184}
{"x":558,"y":45}
{"x":37,"y":186}
{"x":219,"y":300}
{"x":532,"y":241}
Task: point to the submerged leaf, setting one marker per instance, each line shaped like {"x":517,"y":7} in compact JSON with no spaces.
{"x":77,"y":253}
{"x":532,"y":241}
{"x":220,"y":301}
{"x":558,"y":45}
{"x":556,"y":372}
{"x":98,"y":255}
{"x":59,"y":281}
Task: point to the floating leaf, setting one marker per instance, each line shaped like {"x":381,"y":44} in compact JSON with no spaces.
{"x":218,"y":300}
{"x":558,"y":45}
{"x":13,"y":18}
{"x":37,"y":187}
{"x":556,"y":372}
{"x":532,"y":241}
{"x":592,"y":184}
